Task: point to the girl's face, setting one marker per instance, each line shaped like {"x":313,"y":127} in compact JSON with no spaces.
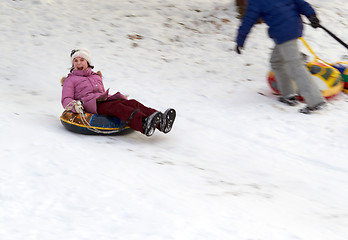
{"x":80,"y":63}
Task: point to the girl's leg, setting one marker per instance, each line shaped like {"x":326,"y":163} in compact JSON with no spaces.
{"x":123,"y":111}
{"x":137,"y":105}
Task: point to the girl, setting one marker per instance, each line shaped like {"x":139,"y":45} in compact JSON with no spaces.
{"x":83,"y":90}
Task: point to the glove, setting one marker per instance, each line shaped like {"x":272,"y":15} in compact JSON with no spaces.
{"x":315,"y":23}
{"x":239,"y":49}
{"x":78,"y":107}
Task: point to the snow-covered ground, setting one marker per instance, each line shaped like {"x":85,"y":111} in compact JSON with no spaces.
{"x":237,"y":165}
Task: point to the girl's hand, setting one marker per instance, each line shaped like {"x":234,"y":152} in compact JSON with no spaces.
{"x":78,"y":107}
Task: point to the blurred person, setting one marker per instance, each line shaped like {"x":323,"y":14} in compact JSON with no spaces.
{"x":285,"y":26}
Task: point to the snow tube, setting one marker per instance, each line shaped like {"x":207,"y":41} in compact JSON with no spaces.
{"x":343,"y":68}
{"x":93,"y":124}
{"x":328,"y":79}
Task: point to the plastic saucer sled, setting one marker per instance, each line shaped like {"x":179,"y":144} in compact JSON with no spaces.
{"x":93,"y":124}
{"x":328,"y":79}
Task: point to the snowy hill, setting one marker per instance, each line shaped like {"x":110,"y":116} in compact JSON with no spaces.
{"x":237,"y":165}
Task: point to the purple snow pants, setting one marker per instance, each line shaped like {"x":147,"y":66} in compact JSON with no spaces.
{"x":123,"y":109}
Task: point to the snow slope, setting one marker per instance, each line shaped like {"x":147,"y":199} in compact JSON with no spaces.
{"x":237,"y":165}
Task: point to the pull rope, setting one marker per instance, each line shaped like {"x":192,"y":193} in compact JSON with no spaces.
{"x":312,"y":52}
{"x":93,"y":129}
{"x":70,"y":106}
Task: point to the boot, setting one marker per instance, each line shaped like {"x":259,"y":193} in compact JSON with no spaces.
{"x":167,"y":122}
{"x":309,"y":110}
{"x":150,"y":123}
{"x":291,"y":100}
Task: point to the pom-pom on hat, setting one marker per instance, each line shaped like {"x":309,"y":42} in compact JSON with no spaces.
{"x":83,"y":53}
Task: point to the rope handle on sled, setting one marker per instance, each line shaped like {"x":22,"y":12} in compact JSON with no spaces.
{"x":93,"y":129}
{"x":316,"y":57}
{"x":70,"y":106}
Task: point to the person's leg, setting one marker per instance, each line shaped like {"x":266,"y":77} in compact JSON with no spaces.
{"x":285,"y":83}
{"x":295,"y":67}
{"x":137,"y":105}
{"x":119,"y":109}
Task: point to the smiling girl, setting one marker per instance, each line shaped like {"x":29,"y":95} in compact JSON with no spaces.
{"x":83,"y":90}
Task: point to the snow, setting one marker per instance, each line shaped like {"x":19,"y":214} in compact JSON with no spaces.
{"x":237,"y":165}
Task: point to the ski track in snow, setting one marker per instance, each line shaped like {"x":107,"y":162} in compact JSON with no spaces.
{"x":237,"y":164}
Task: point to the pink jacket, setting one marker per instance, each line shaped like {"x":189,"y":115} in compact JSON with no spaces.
{"x":86,"y":86}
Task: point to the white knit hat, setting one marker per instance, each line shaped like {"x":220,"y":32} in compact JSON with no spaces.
{"x":83,"y":53}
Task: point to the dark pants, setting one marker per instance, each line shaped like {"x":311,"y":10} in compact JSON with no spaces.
{"x":123,"y":109}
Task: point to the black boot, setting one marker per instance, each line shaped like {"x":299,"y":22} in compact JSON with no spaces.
{"x":292,"y":100}
{"x":151,"y":122}
{"x":168,"y":118}
{"x":308,"y":110}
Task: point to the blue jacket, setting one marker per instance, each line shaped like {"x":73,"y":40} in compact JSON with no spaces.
{"x":282,"y":17}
